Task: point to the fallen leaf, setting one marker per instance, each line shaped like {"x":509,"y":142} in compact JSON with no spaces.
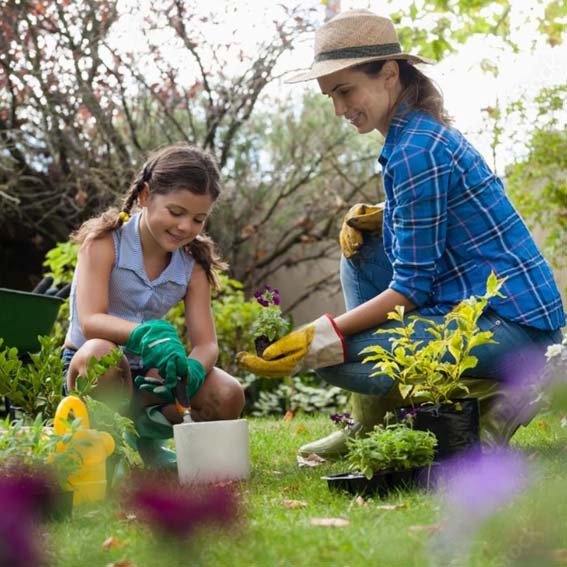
{"x":128,"y":517}
{"x":122,"y":563}
{"x":429,"y":528}
{"x":389,"y":507}
{"x":329,"y":522}
{"x":288,"y":416}
{"x":359,"y":501}
{"x":111,"y":542}
{"x":558,"y":556}
{"x":294,"y":503}
{"x":312,"y":460}
{"x":300,"y":429}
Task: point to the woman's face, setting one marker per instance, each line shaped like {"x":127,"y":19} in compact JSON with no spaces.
{"x":363,"y":100}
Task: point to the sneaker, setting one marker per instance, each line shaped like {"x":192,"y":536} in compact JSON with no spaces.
{"x":334,"y":446}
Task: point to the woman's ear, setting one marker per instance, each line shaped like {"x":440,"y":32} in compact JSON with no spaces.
{"x":391,"y":73}
{"x":144,"y":195}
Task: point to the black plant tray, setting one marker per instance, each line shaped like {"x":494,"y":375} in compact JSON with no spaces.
{"x":382,"y":482}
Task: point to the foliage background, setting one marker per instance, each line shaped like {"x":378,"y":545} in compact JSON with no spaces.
{"x":83,"y":100}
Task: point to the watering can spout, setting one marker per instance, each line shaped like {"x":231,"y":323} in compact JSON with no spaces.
{"x":91,"y":447}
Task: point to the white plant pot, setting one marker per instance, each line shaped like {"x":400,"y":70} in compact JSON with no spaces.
{"x":212,"y":451}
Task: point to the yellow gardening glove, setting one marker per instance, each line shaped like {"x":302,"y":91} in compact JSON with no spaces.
{"x":360,"y":217}
{"x":315,"y":345}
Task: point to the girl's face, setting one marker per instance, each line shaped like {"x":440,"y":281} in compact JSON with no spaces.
{"x":173,"y":220}
{"x":363,"y":100}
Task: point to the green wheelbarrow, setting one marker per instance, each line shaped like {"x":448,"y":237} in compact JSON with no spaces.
{"x":24,"y":315}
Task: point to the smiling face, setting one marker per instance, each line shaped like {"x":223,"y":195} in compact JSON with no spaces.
{"x":365,"y":101}
{"x":172,"y":220}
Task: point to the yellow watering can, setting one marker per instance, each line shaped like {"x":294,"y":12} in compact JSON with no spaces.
{"x":91,"y":447}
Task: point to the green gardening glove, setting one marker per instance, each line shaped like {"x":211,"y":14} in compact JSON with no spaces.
{"x":157,"y":387}
{"x":159,"y":345}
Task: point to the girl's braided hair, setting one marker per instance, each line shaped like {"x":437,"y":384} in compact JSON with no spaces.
{"x":169,"y":169}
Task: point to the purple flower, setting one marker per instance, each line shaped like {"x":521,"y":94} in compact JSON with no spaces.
{"x":268,"y":296}
{"x":342,"y":419}
{"x":24,"y":494}
{"x":472,"y":488}
{"x":177,"y":511}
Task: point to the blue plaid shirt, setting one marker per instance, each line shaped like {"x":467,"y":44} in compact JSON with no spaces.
{"x":448,"y":223}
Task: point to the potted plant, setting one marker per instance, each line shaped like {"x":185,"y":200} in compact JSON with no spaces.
{"x":392,"y":456}
{"x":270,"y":325}
{"x":429,"y":376}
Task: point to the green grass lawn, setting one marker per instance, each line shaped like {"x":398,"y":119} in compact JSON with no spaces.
{"x":528,"y":531}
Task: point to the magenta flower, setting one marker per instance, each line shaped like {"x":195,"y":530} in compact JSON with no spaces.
{"x":24,"y":498}
{"x":177,"y":511}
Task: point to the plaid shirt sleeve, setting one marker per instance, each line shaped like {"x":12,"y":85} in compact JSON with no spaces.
{"x":421,"y":178}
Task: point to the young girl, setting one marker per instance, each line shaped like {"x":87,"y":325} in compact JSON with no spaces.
{"x":446,"y":225}
{"x":131,"y":270}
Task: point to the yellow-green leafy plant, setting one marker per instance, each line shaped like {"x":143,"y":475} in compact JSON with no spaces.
{"x":430,"y":372}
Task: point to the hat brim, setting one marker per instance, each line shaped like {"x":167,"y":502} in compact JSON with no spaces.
{"x":323,"y":68}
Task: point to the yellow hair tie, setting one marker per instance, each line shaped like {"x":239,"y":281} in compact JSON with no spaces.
{"x":123,"y":216}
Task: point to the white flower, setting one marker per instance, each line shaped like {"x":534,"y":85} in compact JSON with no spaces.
{"x":554,"y":350}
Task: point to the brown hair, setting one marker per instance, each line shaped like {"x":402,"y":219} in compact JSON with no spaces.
{"x":419,"y":92}
{"x":166,"y":170}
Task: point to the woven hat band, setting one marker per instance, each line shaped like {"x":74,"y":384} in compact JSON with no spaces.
{"x":360,"y":51}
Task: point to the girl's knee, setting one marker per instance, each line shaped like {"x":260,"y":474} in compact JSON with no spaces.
{"x":232,"y":399}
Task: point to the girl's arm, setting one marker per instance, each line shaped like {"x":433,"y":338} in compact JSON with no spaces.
{"x":372,"y":313}
{"x":95,"y":261}
{"x":199,"y":319}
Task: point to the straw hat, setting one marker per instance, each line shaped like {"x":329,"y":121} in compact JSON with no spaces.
{"x":352,"y":38}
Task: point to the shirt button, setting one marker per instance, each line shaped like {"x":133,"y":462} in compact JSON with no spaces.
{"x":498,"y":322}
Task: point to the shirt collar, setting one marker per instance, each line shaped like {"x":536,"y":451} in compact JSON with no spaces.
{"x":131,"y":256}
{"x":397,"y":125}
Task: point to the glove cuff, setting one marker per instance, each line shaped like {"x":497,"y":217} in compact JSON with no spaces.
{"x":196,"y":377}
{"x":328,"y":346}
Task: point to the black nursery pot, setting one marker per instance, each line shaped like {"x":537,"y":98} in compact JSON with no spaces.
{"x":382,"y":483}
{"x":455,"y":425}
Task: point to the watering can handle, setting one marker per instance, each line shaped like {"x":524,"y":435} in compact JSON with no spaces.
{"x":66,"y":405}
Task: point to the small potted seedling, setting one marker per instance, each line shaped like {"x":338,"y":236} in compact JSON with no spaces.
{"x":392,"y":456}
{"x":429,"y":375}
{"x":270,"y":325}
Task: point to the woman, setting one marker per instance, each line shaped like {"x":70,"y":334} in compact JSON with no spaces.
{"x":446,"y":225}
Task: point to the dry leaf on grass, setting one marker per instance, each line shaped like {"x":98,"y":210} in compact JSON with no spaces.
{"x":329,"y":522}
{"x":558,"y":556}
{"x":359,"y":501}
{"x":427,"y":528}
{"x":300,"y":429}
{"x":111,"y":542}
{"x":288,"y":416}
{"x":389,"y":507}
{"x":122,"y":563}
{"x":126,"y":516}
{"x":294,"y":503}
{"x":312,"y":460}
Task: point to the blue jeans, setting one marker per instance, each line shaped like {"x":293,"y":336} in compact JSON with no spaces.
{"x":518,"y":354}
